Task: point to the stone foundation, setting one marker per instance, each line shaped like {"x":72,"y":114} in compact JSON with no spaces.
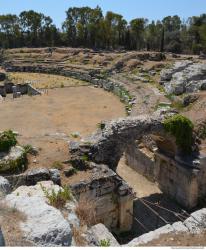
{"x":112,"y":198}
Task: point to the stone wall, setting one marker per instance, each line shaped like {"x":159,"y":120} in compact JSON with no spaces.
{"x":180,"y":178}
{"x":141,"y":160}
{"x":111,"y":197}
{"x":93,"y":76}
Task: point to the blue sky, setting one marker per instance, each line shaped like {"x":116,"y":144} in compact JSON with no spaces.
{"x":151,"y":9}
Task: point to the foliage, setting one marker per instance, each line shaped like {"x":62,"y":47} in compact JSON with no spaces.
{"x":29,"y":149}
{"x":104,"y":243}
{"x":101,"y":125}
{"x":60,"y":198}
{"x":7,"y":140}
{"x":182,"y":129}
{"x":89,"y":27}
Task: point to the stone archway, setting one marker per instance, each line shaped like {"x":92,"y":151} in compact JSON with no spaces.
{"x":108,"y":145}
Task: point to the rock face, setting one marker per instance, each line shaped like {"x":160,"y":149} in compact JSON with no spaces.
{"x":100,"y":233}
{"x":184,"y":77}
{"x":5,"y":186}
{"x":14,"y":161}
{"x":44,"y":225}
{"x":33,"y":176}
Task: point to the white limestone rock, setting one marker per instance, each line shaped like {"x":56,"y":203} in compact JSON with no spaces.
{"x":100,"y":232}
{"x":196,"y":223}
{"x":5,"y":186}
{"x":148,"y":237}
{"x":44,"y":224}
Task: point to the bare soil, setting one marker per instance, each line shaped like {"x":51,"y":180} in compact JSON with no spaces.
{"x":47,"y":122}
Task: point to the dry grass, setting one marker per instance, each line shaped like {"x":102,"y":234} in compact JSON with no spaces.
{"x":86,"y":213}
{"x":77,"y":234}
{"x":10,"y":219}
{"x":40,"y":80}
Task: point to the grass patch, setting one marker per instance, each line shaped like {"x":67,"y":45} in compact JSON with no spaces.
{"x":60,"y":198}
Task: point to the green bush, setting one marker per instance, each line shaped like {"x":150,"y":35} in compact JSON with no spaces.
{"x":7,"y":140}
{"x":58,"y":199}
{"x":182,"y":129}
{"x":104,"y":243}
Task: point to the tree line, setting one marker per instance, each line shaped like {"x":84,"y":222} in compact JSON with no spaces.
{"x":89,"y":28}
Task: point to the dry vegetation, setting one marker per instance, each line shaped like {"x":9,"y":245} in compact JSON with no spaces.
{"x":10,"y":219}
{"x":44,"y":80}
{"x":86,"y":213}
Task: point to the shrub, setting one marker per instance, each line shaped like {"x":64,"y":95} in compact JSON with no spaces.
{"x":104,"y":243}
{"x":58,"y":199}
{"x":182,"y":129}
{"x":29,"y":149}
{"x":7,"y":140}
{"x":101,"y":125}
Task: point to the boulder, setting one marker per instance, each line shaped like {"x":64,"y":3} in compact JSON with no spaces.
{"x":13,"y":161}
{"x":184,"y":77}
{"x":5,"y":186}
{"x":55,"y":176}
{"x":100,"y":233}
{"x":37,"y":175}
{"x":44,"y":224}
{"x":189,"y":99}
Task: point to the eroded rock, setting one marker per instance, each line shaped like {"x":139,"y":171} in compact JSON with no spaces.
{"x":44,"y":224}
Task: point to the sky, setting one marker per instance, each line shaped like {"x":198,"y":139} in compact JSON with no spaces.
{"x":130,"y":9}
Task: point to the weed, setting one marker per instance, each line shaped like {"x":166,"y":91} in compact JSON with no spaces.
{"x":104,"y":243}
{"x":58,"y":199}
{"x":101,"y":125}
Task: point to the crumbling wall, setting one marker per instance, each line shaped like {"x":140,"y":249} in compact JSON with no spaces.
{"x":111,"y":197}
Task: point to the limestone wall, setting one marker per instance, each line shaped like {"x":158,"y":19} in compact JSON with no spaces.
{"x":111,"y":197}
{"x":141,"y":160}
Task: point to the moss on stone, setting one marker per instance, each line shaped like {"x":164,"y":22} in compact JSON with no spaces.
{"x":182,"y":129}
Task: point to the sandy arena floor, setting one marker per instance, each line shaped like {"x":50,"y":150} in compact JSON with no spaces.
{"x":48,"y":121}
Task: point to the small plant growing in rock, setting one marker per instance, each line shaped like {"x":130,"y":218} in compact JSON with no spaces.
{"x":57,"y":165}
{"x":58,"y":199}
{"x":29,"y":149}
{"x":104,"y":243}
{"x":75,"y":135}
{"x":182,"y":129}
{"x":101,"y":125}
{"x":7,"y":140}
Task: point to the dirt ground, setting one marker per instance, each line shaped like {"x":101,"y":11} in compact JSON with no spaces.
{"x":141,"y":186}
{"x":47,"y":122}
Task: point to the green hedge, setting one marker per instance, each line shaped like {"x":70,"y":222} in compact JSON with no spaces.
{"x":182,"y":129}
{"x":7,"y":140}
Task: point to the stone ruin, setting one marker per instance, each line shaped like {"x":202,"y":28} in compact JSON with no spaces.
{"x":17,"y":89}
{"x":181,"y":178}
